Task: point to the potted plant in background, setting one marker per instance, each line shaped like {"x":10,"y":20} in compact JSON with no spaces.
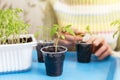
{"x":83,"y":49}
{"x":15,"y":47}
{"x":117,"y":32}
{"x":44,"y":41}
{"x":54,"y":55}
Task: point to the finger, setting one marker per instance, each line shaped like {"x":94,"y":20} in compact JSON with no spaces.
{"x":80,"y":33}
{"x":105,"y":54}
{"x":66,"y":43}
{"x":73,"y":38}
{"x":78,"y":38}
{"x":95,"y":48}
{"x":91,"y":40}
{"x":101,"y":50}
{"x":77,"y":32}
{"x":98,"y":41}
{"x":69,"y":37}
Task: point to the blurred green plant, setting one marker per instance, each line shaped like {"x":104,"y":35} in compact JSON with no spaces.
{"x":11,"y":26}
{"x":116,"y":23}
{"x":88,"y":30}
{"x":43,"y":33}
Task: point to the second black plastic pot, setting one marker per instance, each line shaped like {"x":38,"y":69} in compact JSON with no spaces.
{"x":84,"y":52}
{"x":39,"y":46}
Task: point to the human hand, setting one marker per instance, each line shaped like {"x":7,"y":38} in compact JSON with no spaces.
{"x":70,"y":40}
{"x":100,"y":47}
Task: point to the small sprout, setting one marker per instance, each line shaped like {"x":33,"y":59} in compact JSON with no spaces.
{"x":88,"y":30}
{"x":88,"y":34}
{"x":58,"y":32}
{"x":63,"y":37}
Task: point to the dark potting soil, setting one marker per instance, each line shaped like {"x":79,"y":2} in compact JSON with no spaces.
{"x":24,"y":39}
{"x":20,"y":40}
{"x":52,"y":49}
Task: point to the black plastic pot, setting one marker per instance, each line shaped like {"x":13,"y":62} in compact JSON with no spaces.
{"x":84,"y":52}
{"x":54,"y":61}
{"x":39,"y":46}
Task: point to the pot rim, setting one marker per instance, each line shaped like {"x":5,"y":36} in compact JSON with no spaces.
{"x":44,"y":52}
{"x":42,"y":41}
{"x":84,"y":43}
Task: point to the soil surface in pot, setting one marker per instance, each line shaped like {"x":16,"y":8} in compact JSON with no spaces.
{"x":52,"y":49}
{"x":20,"y":40}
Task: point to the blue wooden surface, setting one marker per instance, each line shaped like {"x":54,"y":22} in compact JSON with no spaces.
{"x":117,"y":70}
{"x":95,"y":70}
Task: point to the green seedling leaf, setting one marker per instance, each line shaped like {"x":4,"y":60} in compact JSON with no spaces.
{"x":88,"y":30}
{"x":54,"y":30}
{"x":68,"y":26}
{"x":69,"y":30}
{"x":114,"y":23}
{"x":63,"y":37}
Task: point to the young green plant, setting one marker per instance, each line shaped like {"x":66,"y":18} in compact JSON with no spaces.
{"x":58,"y":32}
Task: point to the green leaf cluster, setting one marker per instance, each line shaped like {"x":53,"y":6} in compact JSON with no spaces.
{"x":11,"y":24}
{"x":58,"y":32}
